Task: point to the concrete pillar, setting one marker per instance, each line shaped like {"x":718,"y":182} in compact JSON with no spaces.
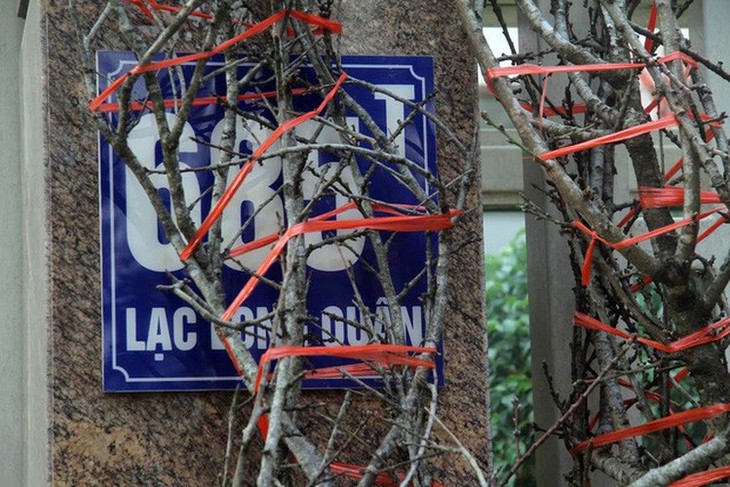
{"x":708,"y":34}
{"x":551,"y":300}
{"x":35,"y":256}
{"x":11,"y":288}
{"x":550,"y":288}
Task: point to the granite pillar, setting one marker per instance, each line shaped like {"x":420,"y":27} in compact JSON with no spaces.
{"x":180,"y":438}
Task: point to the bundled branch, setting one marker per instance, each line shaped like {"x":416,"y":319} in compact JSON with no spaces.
{"x":665,"y":295}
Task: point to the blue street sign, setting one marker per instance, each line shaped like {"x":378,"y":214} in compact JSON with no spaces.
{"x":154,"y":341}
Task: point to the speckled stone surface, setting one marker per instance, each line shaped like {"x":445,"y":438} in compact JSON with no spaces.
{"x":423,"y":27}
{"x":179,"y":438}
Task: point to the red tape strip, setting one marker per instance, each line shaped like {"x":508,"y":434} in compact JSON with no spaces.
{"x":700,"y":337}
{"x":629,"y":133}
{"x":404,"y":223}
{"x":330,"y":25}
{"x":672,"y":421}
{"x":146,"y":5}
{"x":588,"y":259}
{"x":650,"y":26}
{"x":670,"y":196}
{"x":382,"y":353}
{"x":530,"y":69}
{"x":703,"y":478}
{"x":202,"y":101}
{"x":226,"y":197}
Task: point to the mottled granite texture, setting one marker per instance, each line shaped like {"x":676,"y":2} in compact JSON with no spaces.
{"x":179,"y":438}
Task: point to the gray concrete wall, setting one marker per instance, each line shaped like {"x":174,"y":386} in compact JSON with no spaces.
{"x":11,"y":289}
{"x":35,"y":256}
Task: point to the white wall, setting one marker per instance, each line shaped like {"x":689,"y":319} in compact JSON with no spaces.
{"x":500,"y":229}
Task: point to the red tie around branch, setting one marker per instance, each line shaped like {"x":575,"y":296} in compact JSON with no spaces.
{"x":703,"y":478}
{"x":587,"y":261}
{"x":226,"y":197}
{"x":330,"y":25}
{"x":403,"y":223}
{"x":672,"y":421}
{"x":710,"y":333}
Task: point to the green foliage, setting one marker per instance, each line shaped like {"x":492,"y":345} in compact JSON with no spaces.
{"x":509,"y":355}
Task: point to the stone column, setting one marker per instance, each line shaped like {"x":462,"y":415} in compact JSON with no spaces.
{"x":179,"y":438}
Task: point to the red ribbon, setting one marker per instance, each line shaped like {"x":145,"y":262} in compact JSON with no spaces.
{"x":670,"y":196}
{"x":226,"y":197}
{"x":530,"y":69}
{"x":587,"y":261}
{"x":625,"y":134}
{"x":708,"y":334}
{"x":403,"y":223}
{"x":202,"y":101}
{"x":703,"y":478}
{"x":381,"y":353}
{"x":330,"y":25}
{"x":672,"y":421}
{"x":650,"y":26}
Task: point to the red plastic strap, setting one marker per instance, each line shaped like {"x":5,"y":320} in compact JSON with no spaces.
{"x":700,"y":337}
{"x":650,"y":26}
{"x":382,"y":480}
{"x":652,"y":396}
{"x":142,"y":7}
{"x":529,"y":69}
{"x":202,"y":101}
{"x":382,"y":353}
{"x":226,"y":197}
{"x":672,"y":421}
{"x":629,"y":133}
{"x":674,"y":196}
{"x":709,"y":135}
{"x":629,"y":216}
{"x":269,"y":239}
{"x":645,"y":281}
{"x":587,"y":261}
{"x":146,"y":5}
{"x":356,"y":472}
{"x":670,"y":196}
{"x":718,"y":223}
{"x":153,"y":4}
{"x":678,"y":56}
{"x":551,"y":112}
{"x":405,"y":223}
{"x":703,"y":478}
{"x":681,"y":374}
{"x":341,"y":371}
{"x":330,"y":25}
{"x":674,"y":169}
{"x":702,"y":236}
